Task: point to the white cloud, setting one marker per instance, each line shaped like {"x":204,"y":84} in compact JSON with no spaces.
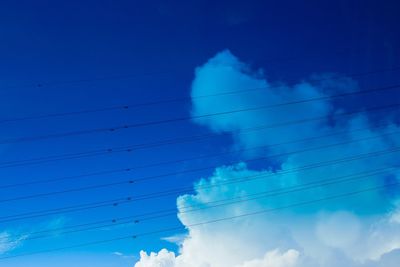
{"x":176,"y":239}
{"x":8,"y":242}
{"x":333,"y":232}
{"x":275,"y":259}
{"x":124,"y":256}
{"x":163,"y":258}
{"x":11,"y":240}
{"x":361,"y":231}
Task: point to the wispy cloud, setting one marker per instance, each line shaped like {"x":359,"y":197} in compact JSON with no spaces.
{"x":124,"y":256}
{"x":9,"y":242}
{"x":15,"y":238}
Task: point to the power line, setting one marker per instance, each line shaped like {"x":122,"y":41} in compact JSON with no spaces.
{"x":130,"y":199}
{"x":65,"y":210}
{"x":109,"y":78}
{"x":168,"y":212}
{"x":147,"y":145}
{"x":132,"y":181}
{"x":126,"y":200}
{"x":78,"y":176}
{"x":244,"y":215}
{"x":182,"y":160}
{"x":183,"y":99}
{"x":133,"y":76}
{"x":186,"y":118}
{"x":131,"y":148}
{"x":110,"y":150}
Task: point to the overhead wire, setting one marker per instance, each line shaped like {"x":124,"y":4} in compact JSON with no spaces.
{"x":94,"y":153}
{"x":186,"y":118}
{"x":134,"y":219}
{"x":35,"y":84}
{"x":164,"y":230}
{"x":141,"y":146}
{"x":131,"y":148}
{"x":183,"y":99}
{"x":130,"y":199}
{"x":132,"y":181}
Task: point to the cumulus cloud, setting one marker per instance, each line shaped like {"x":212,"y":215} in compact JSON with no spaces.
{"x":275,"y":259}
{"x":163,"y":258}
{"x":361,"y":231}
{"x":332,"y":232}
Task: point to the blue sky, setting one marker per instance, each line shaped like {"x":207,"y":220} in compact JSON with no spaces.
{"x":76,"y":55}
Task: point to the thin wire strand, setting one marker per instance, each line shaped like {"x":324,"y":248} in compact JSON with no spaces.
{"x":183,"y":99}
{"x":204,"y":206}
{"x":186,"y":118}
{"x":132,"y":181}
{"x":131,"y":168}
{"x":130,"y":199}
{"x":127,"y":149}
{"x":164,"y":230}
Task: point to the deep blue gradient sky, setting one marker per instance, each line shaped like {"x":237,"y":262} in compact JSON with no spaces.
{"x":62,"y":56}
